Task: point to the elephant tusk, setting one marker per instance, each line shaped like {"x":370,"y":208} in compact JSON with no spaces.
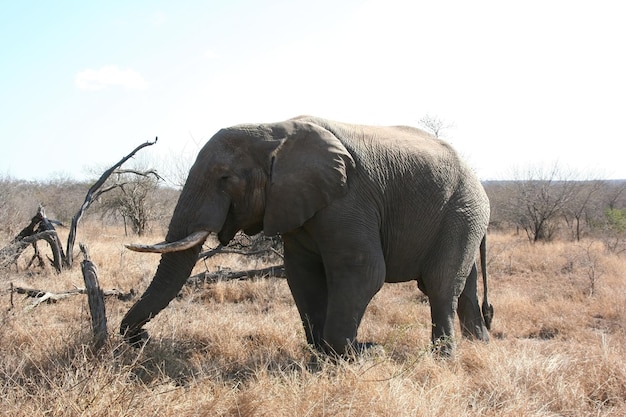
{"x":194,"y":239}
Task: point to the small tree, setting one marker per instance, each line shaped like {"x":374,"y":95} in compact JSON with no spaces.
{"x":615,"y":194}
{"x":615,"y":229}
{"x":588,"y":260}
{"x":8,"y":211}
{"x":581,"y":204}
{"x":539,"y":198}
{"x":132,"y":200}
{"x":175,"y":168}
{"x":434,"y":125}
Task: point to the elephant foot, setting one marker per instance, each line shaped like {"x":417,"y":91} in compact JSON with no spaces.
{"x":443,"y":347}
{"x":353,"y":352}
{"x":367,"y":349}
{"x":475,"y":332}
{"x":136,"y":338}
{"x":357,"y":350}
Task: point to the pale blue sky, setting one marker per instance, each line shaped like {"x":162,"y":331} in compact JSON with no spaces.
{"x":84,"y":82}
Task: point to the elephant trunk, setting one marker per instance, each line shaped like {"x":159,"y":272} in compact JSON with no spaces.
{"x":174,"y":269}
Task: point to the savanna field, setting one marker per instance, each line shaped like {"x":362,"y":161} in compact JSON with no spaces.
{"x":237,"y":348}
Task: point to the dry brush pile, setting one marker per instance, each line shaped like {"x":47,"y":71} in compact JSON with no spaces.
{"x":237,"y":348}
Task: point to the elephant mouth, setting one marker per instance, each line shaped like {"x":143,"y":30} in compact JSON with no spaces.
{"x":194,"y":239}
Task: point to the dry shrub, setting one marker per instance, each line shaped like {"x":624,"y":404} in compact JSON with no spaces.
{"x":238,"y":348}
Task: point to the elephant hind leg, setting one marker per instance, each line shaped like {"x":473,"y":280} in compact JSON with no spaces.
{"x":472,"y":323}
{"x":442,"y":316}
{"x":449,"y":291}
{"x":347,"y":302}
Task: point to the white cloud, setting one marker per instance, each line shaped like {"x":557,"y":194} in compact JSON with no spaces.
{"x":109,"y":76}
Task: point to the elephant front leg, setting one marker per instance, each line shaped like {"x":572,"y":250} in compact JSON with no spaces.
{"x":307,"y":282}
{"x":310,"y":295}
{"x":333,"y":288}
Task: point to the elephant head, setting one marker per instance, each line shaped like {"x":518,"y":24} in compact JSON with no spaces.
{"x":270,"y":177}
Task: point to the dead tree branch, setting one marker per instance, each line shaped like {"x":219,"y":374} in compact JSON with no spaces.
{"x":107,"y":189}
{"x":223,"y":250}
{"x":36,"y":293}
{"x":277,"y":271}
{"x":211,"y":277}
{"x":251,"y":247}
{"x":40,"y":228}
{"x":11,"y":252}
{"x":140,"y":173}
{"x":95,"y":299}
{"x":91,"y":195}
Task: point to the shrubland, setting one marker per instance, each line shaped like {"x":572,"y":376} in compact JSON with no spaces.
{"x":237,"y":348}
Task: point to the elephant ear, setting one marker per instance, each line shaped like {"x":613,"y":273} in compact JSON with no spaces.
{"x":309,"y":170}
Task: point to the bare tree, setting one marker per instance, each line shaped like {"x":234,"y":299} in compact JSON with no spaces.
{"x":614,"y":230}
{"x":176,"y":168}
{"x":434,"y":125}
{"x":132,"y":198}
{"x":615,"y":194}
{"x":540,"y":197}
{"x":9,"y":212}
{"x":581,"y":204}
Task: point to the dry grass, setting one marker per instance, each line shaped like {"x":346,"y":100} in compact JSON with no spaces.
{"x":237,"y":348}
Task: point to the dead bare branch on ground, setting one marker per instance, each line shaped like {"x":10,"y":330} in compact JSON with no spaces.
{"x":52,"y":297}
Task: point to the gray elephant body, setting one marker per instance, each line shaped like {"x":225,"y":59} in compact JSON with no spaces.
{"x":357,"y":206}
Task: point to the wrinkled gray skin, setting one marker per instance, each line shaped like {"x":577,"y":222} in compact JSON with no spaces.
{"x":357,"y":206}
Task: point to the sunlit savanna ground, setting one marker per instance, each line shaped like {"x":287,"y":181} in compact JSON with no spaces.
{"x":238,"y":349}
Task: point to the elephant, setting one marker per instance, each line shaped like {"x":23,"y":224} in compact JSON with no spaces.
{"x":355,"y":205}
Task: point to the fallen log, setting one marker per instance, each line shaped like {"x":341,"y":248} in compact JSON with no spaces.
{"x":44,"y":296}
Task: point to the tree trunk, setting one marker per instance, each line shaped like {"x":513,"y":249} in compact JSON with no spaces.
{"x":95,"y":298}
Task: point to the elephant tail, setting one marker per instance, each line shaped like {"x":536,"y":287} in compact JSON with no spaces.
{"x":487,"y":309}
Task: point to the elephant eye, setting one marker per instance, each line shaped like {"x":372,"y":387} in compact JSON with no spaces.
{"x":229,"y":179}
